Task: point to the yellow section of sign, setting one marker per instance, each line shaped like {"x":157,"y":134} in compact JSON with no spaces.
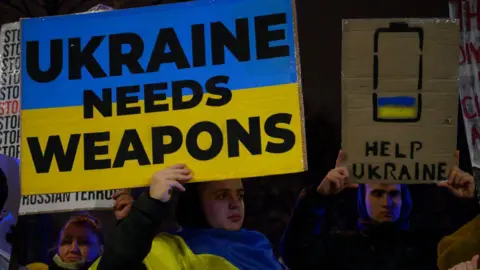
{"x":397,"y":112}
{"x":256,"y":102}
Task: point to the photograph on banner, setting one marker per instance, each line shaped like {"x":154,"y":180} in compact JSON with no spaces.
{"x":9,"y":204}
{"x":468,"y":62}
{"x":399,"y":106}
{"x":219,"y":94}
{"x":10,"y":89}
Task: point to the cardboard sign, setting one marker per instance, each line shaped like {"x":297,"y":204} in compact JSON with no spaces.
{"x":399,"y":99}
{"x":468,"y":13}
{"x":110,"y":98}
{"x":10,"y":89}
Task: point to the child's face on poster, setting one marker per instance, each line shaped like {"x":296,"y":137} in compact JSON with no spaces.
{"x":79,"y":243}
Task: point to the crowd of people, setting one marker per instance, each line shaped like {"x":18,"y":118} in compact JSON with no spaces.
{"x":210,"y":232}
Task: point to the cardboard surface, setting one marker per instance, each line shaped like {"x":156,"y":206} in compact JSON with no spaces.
{"x":134,"y":91}
{"x":399,"y":99}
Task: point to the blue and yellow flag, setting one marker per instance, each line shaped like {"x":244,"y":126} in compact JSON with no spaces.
{"x":401,"y":107}
{"x":110,"y":98}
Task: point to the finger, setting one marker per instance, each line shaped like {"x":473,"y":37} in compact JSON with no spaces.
{"x":343,"y":171}
{"x":183,"y":178}
{"x":177,"y":166}
{"x":336,"y":175}
{"x":341,"y":158}
{"x":351,"y":185}
{"x":463,"y":181}
{"x":119,"y":193}
{"x":475,"y":262}
{"x":176,"y":185}
{"x":182,"y":171}
{"x":124,"y":200}
{"x":468,"y":266}
{"x":451,"y":175}
{"x":456,"y":179}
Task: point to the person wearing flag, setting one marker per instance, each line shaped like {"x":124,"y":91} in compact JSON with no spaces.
{"x":211,"y":217}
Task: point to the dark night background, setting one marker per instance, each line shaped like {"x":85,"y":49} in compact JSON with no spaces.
{"x":270,"y":199}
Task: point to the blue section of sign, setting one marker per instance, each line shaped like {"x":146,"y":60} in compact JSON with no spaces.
{"x":396,"y":101}
{"x":147,"y":22}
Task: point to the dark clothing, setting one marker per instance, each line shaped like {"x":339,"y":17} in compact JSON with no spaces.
{"x":309,"y":244}
{"x":133,"y":236}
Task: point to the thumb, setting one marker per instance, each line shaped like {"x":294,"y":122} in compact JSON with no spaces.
{"x":351,"y":185}
{"x":475,"y":261}
{"x":341,"y":158}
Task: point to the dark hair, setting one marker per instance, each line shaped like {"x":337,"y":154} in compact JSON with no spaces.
{"x":89,"y":222}
{"x":189,"y":211}
{"x":3,"y":189}
{"x":403,"y":220}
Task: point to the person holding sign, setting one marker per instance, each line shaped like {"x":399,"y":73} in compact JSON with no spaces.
{"x":468,"y":265}
{"x":383,"y":241}
{"x":211,"y":216}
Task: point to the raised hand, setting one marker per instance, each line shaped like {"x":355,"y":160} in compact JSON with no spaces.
{"x":164,"y":181}
{"x":336,"y":179}
{"x":460,"y":183}
{"x":123,"y":203}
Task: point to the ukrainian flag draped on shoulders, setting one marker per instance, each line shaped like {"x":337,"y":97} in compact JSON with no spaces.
{"x":211,"y":249}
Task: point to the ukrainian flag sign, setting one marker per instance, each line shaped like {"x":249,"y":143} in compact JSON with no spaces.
{"x":109,"y":98}
{"x":398,"y":107}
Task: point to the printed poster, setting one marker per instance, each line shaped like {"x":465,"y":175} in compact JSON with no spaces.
{"x":123,"y":97}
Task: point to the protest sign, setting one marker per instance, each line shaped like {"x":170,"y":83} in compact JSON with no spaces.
{"x":66,"y":202}
{"x":468,"y":13}
{"x":10,"y":89}
{"x":110,"y":98}
{"x":399,"y":99}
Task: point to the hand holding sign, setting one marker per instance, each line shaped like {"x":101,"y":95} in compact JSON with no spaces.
{"x":337,"y":179}
{"x":460,"y":183}
{"x":164,"y":181}
{"x":123,"y":203}
{"x":470,"y":265}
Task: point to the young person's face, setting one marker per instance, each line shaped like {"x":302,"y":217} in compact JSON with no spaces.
{"x":78,"y":243}
{"x":383,"y":202}
{"x":222,"y":203}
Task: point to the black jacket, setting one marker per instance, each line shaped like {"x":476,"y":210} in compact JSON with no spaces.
{"x":308,"y":244}
{"x":133,"y":236}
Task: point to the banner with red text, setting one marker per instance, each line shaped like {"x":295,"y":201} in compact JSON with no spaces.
{"x":468,"y":12}
{"x":10,"y":90}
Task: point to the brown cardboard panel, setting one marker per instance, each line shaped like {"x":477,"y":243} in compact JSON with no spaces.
{"x":365,"y":85}
{"x":410,"y":105}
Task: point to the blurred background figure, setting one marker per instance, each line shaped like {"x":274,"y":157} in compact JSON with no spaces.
{"x":80,"y":244}
{"x":459,"y":247}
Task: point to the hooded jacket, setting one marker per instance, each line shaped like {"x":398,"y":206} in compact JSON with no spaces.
{"x":308,"y":243}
